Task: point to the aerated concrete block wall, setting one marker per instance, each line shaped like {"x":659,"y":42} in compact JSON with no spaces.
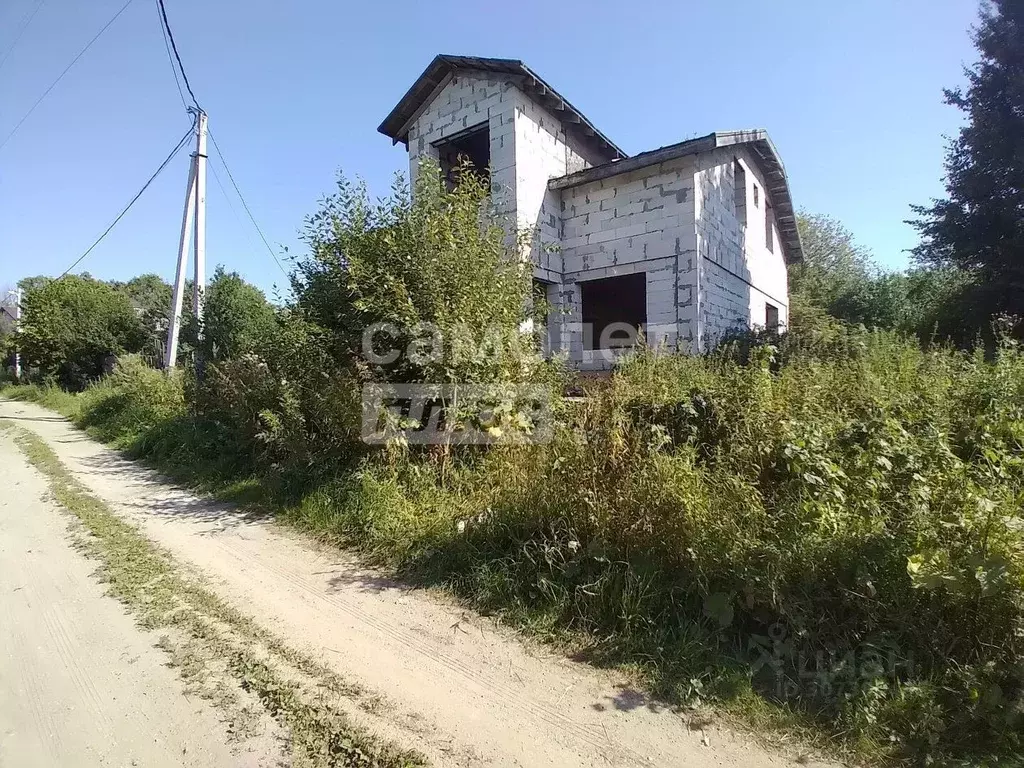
{"x":466,"y":102}
{"x":637,"y":222}
{"x":676,"y":222}
{"x":738,"y":274}
{"x":543,"y":151}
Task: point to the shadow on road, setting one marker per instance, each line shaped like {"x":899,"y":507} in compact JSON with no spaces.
{"x":155,"y":494}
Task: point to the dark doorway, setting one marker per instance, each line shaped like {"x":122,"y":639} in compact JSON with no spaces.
{"x":614,"y":310}
{"x":540,"y":314}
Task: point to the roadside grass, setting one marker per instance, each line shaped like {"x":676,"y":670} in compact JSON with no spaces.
{"x":825,"y":544}
{"x":220,"y":653}
{"x":423,"y":552}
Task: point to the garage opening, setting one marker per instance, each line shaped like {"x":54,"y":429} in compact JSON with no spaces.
{"x":468,"y":151}
{"x":614,"y":311}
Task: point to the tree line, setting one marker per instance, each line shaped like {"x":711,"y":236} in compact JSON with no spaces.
{"x":968,"y":267}
{"x":73,"y":329}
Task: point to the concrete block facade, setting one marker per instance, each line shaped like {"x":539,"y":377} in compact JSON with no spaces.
{"x":543,"y":151}
{"x":739,"y":275}
{"x":697,"y":218}
{"x":464,"y":102}
{"x":635,"y":222}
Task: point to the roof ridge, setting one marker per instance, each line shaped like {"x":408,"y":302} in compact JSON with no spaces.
{"x":395,"y":125}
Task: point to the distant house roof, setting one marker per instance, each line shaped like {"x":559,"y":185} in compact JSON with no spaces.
{"x":435,"y":76}
{"x":760,"y":146}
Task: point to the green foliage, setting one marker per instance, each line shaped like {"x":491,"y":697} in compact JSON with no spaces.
{"x":287,"y":410}
{"x":838,"y":280}
{"x":978,"y":227}
{"x":237,"y":319}
{"x":7,"y":313}
{"x":842,"y":533}
{"x":834,"y":525}
{"x":287,"y":399}
{"x":437,"y":266}
{"x":72,"y":326}
{"x":835,"y":268}
{"x":938,"y":306}
{"x":839,"y":277}
{"x":151,"y":296}
{"x":149,"y":293}
{"x":132,"y":405}
{"x":829,"y":521}
{"x":28,"y":284}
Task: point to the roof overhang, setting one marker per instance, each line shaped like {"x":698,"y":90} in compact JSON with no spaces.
{"x":396,"y":125}
{"x":761,"y":149}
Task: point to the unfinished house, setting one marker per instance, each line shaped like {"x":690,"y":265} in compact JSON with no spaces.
{"x":685,"y":242}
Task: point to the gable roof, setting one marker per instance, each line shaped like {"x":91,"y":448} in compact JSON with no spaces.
{"x":761,"y":148}
{"x":396,"y":124}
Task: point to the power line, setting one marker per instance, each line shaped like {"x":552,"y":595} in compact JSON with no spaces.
{"x":25,"y":21}
{"x":61,"y":75}
{"x":177,"y":148}
{"x":246,"y":205}
{"x":227,"y":199}
{"x":170,"y":47}
{"x":170,"y":59}
{"x":174,"y":47}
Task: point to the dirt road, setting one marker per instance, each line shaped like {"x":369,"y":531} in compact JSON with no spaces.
{"x":452,"y":685}
{"x":80,"y":685}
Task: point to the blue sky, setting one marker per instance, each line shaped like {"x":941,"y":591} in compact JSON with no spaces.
{"x":851,"y":93}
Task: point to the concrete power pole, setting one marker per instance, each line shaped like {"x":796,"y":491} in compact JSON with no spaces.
{"x":195,"y":208}
{"x":17,"y":327}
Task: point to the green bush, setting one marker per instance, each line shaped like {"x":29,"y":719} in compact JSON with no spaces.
{"x":237,"y":319}
{"x":73,"y":327}
{"x":434,"y":267}
{"x":437,"y":266}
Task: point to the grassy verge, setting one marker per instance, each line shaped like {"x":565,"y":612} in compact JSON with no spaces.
{"x":827,"y":542}
{"x":464,"y":567}
{"x":220,"y":653}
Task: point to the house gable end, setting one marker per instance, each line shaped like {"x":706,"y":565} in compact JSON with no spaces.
{"x":440,"y":71}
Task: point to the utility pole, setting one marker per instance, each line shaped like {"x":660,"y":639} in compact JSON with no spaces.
{"x":195,"y":209}
{"x":17,"y":327}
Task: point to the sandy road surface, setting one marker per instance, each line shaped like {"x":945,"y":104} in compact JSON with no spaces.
{"x":80,"y":684}
{"x":457,"y":688}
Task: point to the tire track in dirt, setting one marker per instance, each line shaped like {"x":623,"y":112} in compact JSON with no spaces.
{"x":80,"y":683}
{"x":60,"y":640}
{"x":590,"y":735}
{"x":44,"y":724}
{"x":406,"y":646}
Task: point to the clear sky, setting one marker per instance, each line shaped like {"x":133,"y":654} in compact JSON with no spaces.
{"x":851,"y":94}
